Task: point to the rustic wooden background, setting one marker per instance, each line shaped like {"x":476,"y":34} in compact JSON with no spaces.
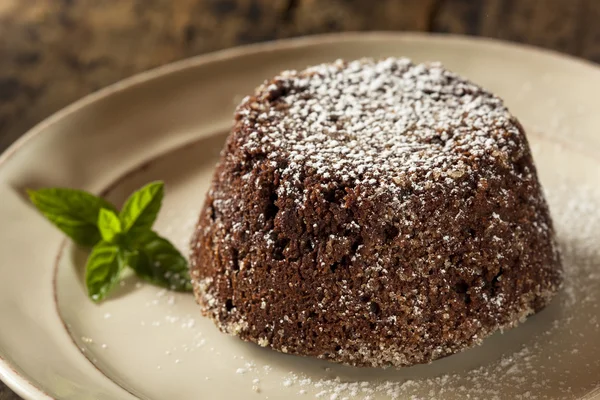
{"x":53,"y":52}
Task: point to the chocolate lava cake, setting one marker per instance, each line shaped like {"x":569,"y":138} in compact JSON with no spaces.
{"x":373,"y":213}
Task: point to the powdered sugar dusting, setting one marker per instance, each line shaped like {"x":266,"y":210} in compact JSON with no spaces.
{"x":374,"y":122}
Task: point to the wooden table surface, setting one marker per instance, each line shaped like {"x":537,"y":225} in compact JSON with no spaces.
{"x":53,"y":52}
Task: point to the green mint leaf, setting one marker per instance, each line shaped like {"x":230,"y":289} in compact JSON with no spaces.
{"x":74,"y":212}
{"x":160,"y":263}
{"x":109,"y":225}
{"x":103,"y":270}
{"x":141,"y":208}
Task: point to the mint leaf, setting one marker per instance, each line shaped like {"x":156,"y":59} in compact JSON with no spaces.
{"x":109,"y":225}
{"x":74,"y":212}
{"x":141,"y":208}
{"x":118,"y":239}
{"x":103,"y":269}
{"x":160,"y":263}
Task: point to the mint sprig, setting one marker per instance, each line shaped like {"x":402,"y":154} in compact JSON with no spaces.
{"x":117,"y":239}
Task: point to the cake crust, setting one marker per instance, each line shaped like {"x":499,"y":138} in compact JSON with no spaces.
{"x":373,"y":213}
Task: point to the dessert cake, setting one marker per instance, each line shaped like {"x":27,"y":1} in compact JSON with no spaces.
{"x":373,"y":213}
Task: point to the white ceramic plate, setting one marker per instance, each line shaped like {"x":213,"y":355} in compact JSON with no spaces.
{"x":170,"y":124}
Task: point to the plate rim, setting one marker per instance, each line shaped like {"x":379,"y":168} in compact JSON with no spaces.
{"x":9,"y":373}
